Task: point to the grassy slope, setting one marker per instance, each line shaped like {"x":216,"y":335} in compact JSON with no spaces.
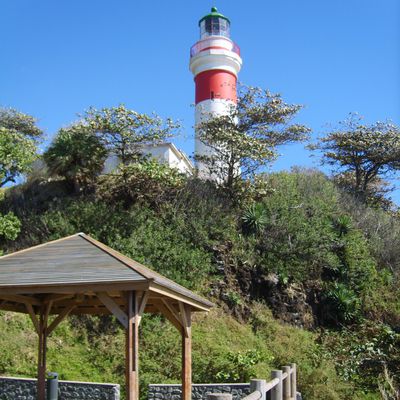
{"x":179,"y":237}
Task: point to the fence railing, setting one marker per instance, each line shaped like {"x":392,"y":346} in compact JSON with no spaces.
{"x":282,"y":386}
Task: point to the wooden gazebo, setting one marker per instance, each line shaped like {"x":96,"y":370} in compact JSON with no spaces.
{"x":79,"y":275}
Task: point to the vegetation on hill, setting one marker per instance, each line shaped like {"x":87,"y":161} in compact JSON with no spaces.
{"x":301,"y":269}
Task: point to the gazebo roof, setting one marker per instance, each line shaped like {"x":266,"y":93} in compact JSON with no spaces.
{"x":79,"y":275}
{"x":79,"y":264}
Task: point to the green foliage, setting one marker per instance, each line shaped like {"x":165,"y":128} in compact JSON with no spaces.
{"x":76,"y":154}
{"x":307,"y":233}
{"x":138,"y":233}
{"x":123,"y":132}
{"x":343,"y":303}
{"x":18,"y":139}
{"x":299,"y":239}
{"x":240,"y":367}
{"x":255,"y":218}
{"x":363,"y":353}
{"x":10,"y":226}
{"x":247,"y":136}
{"x":146,"y":181}
{"x":364,"y":152}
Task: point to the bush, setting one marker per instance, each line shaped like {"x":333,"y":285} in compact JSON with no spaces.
{"x":146,"y":181}
{"x":77,"y":155}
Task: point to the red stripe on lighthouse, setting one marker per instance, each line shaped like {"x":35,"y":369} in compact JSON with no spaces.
{"x":215,"y":84}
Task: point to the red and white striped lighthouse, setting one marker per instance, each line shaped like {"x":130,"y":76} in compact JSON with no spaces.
{"x":215,"y":63}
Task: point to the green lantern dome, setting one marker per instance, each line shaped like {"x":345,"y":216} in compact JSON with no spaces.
{"x":214,"y":13}
{"x":214,"y":24}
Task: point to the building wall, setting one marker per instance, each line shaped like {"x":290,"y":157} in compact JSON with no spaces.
{"x":163,"y":153}
{"x":199,"y":391}
{"x":25,"y":389}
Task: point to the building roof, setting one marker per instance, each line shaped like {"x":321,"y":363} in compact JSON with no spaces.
{"x":81,"y":264}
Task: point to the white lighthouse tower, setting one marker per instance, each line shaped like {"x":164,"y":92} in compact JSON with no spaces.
{"x":215,"y":63}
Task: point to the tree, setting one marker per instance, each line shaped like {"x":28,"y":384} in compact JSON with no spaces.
{"x":124,"y":132}
{"x":364,"y":154}
{"x":245,"y":139}
{"x":76,"y":154}
{"x":19,"y":137}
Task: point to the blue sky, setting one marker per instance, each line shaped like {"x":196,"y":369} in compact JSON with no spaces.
{"x":60,"y":57}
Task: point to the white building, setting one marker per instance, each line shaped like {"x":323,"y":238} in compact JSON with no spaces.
{"x":164,"y":153}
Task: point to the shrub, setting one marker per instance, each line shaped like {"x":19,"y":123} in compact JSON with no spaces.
{"x":255,"y":218}
{"x":77,"y":155}
{"x":146,"y":181}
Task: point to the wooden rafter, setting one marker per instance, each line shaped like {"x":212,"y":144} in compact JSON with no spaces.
{"x":34,"y":319}
{"x":60,"y":318}
{"x":167,"y":314}
{"x":17,"y":298}
{"x":172,"y":310}
{"x":114,"y":308}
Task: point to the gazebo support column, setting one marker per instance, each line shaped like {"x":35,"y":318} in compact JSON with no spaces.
{"x":132,"y":347}
{"x":186,"y":351}
{"x":41,"y":378}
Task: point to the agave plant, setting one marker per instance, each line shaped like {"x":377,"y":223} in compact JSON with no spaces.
{"x":255,"y":218}
{"x":343,"y":225}
{"x":345,"y":302}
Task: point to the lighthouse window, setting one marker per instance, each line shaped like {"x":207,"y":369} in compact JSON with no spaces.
{"x":214,"y":26}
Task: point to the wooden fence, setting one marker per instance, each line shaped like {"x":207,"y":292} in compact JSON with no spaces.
{"x":282,"y":386}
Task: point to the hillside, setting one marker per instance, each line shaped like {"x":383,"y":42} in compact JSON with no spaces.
{"x":301,"y":272}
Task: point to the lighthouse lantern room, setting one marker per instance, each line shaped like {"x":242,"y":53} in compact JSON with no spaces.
{"x":215,"y":63}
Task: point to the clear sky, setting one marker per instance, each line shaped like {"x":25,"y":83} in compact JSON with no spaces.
{"x":333,"y":56}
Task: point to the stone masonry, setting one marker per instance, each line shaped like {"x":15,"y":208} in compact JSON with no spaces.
{"x":25,"y":389}
{"x":199,"y":391}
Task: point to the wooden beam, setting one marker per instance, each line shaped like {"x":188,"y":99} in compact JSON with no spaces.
{"x":172,"y":310}
{"x":186,"y":333}
{"x":48,"y":309}
{"x":114,"y":308}
{"x":197,"y":305}
{"x":132,"y":347}
{"x":41,"y":378}
{"x":170,"y":317}
{"x":20,"y":299}
{"x":60,"y":318}
{"x":57,"y":297}
{"x":185,"y":317}
{"x":33,"y":317}
{"x":142,"y":306}
{"x":75,"y":288}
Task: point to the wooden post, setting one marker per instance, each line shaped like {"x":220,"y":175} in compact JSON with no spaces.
{"x":186,"y":352}
{"x":41,"y":378}
{"x":132,"y":348}
{"x":286,"y":383}
{"x":293,"y":382}
{"x":276,"y":392}
{"x":258,"y":385}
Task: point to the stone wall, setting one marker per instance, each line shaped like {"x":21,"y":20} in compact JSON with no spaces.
{"x":199,"y":391}
{"x":25,"y":389}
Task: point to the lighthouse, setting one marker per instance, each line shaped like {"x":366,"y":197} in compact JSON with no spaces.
{"x":215,"y":63}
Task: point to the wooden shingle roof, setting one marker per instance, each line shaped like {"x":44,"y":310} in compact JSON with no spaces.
{"x":80,"y":262}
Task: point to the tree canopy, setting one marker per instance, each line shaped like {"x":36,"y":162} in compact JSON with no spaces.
{"x":245,"y":139}
{"x":76,"y":154}
{"x":124,"y":131}
{"x":19,"y":135}
{"x":364,"y":153}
